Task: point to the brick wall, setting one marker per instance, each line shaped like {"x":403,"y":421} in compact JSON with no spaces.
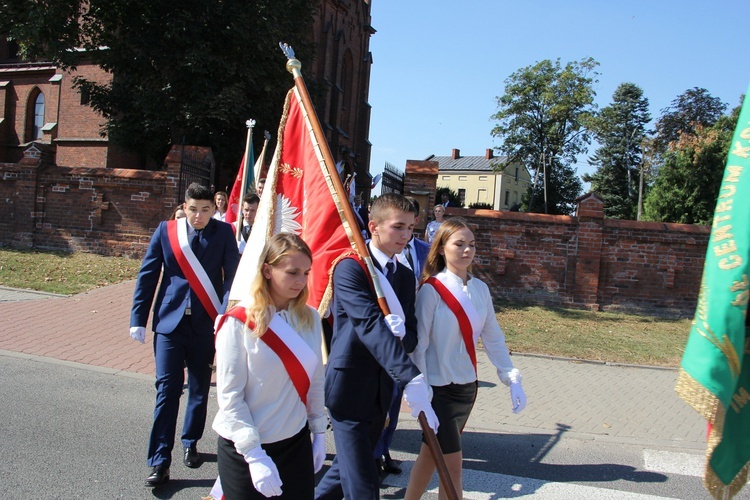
{"x":105,"y":211}
{"x":587,"y":261}
{"x":582,"y":261}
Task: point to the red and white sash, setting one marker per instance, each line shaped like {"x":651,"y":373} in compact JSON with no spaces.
{"x":191,"y":267}
{"x":295,"y":354}
{"x":460,"y":304}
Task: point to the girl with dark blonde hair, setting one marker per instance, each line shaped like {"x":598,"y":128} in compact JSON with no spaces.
{"x":454,"y":309}
{"x":267,"y":405}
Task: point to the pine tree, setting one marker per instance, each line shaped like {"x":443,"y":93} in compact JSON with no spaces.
{"x":620,"y":129}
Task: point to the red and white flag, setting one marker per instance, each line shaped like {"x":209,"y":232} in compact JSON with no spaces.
{"x":233,"y":203}
{"x":299,"y":197}
{"x":245,"y":179}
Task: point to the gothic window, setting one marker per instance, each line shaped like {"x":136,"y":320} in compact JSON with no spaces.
{"x":36,"y":115}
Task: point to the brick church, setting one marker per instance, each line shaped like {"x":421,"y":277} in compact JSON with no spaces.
{"x":63,"y":185}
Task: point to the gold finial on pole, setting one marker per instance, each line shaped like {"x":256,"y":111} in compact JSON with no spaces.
{"x":292,"y":65}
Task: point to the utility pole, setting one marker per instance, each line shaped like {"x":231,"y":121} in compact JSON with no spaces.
{"x":640,"y":193}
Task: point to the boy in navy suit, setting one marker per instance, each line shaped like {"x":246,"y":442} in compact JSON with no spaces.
{"x":369,"y":355}
{"x":413,"y":256}
{"x":196,"y":258}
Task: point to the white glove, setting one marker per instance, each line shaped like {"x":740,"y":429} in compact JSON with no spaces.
{"x":396,"y":325}
{"x":416,"y":395}
{"x":138,"y":333}
{"x":263,"y":472}
{"x":241,"y":245}
{"x":319,"y":451}
{"x":517,"y":397}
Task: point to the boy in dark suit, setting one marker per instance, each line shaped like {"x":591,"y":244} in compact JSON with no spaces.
{"x":413,"y":257}
{"x":196,"y":258}
{"x":369,"y":355}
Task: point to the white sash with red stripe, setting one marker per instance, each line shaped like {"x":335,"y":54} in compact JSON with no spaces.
{"x":298,"y":358}
{"x":390,"y":296}
{"x":200,"y":284}
{"x":458,"y":301}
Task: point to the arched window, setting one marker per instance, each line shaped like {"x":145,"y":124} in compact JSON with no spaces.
{"x":38,"y":123}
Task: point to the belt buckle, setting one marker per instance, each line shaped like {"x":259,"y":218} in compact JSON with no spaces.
{"x":188,"y":312}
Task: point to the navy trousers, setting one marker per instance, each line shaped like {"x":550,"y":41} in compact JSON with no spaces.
{"x":353,"y":473}
{"x":173,"y":352}
{"x":386,"y":437}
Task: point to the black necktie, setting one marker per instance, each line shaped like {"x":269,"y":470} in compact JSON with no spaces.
{"x":390,"y":272}
{"x":410,"y":258}
{"x":246,"y":232}
{"x":196,"y":243}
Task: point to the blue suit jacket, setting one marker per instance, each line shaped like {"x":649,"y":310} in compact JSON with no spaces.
{"x":366,"y":359}
{"x":422,"y":248}
{"x":219,"y":257}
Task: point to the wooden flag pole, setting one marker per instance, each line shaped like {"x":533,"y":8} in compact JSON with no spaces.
{"x":294,"y":66}
{"x":249,"y":124}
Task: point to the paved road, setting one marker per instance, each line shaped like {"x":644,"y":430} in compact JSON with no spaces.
{"x":96,"y":419}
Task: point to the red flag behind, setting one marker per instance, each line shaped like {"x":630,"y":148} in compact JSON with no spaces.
{"x":233,"y":203}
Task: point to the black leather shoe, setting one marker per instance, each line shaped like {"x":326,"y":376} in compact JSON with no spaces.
{"x":192,"y":458}
{"x":389,"y":465}
{"x":159,"y":475}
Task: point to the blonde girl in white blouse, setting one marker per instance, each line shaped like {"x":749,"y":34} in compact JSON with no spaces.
{"x":263,"y":425}
{"x":442,"y":354}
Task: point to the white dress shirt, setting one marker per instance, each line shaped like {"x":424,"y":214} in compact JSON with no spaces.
{"x":257,"y":399}
{"x":382,"y":258}
{"x":441,"y":353}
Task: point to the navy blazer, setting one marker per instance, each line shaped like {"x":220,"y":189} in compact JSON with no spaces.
{"x":366,"y":358}
{"x":422,"y":248}
{"x":219,"y":257}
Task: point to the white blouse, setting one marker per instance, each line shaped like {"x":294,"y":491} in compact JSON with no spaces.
{"x":441,"y":353}
{"x":257,"y":400}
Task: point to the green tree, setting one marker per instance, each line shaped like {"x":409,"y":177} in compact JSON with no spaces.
{"x":688,"y":182}
{"x":190,"y":70}
{"x":543,"y":118}
{"x":619,"y":129}
{"x":690,"y":109}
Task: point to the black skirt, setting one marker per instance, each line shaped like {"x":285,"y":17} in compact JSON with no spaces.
{"x":452,"y":404}
{"x":292,"y":457}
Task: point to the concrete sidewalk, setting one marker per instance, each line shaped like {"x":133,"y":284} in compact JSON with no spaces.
{"x":633,"y":405}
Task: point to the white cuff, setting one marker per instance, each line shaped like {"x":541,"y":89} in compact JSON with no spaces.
{"x":510,"y":377}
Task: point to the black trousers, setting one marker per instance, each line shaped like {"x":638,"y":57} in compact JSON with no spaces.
{"x":293,"y":459}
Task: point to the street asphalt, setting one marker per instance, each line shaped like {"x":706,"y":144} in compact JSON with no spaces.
{"x":78,"y":402}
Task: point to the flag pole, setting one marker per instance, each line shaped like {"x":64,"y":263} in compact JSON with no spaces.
{"x":294,"y":66}
{"x":258,"y":169}
{"x":249,"y":124}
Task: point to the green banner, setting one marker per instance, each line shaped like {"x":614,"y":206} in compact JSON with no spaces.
{"x":714,"y":376}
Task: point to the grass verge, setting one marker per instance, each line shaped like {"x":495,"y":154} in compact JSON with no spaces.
{"x":61,"y":272}
{"x":601,"y":336}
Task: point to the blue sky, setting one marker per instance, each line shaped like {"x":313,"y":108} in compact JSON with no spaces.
{"x":439,"y":65}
